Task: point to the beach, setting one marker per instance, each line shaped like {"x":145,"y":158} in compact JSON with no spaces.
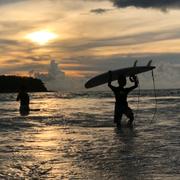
{"x":73,"y":136}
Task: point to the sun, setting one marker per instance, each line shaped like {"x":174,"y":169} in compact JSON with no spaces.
{"x":41,"y":37}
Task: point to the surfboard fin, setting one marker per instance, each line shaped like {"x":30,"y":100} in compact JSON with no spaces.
{"x":149,"y":63}
{"x":135,"y":63}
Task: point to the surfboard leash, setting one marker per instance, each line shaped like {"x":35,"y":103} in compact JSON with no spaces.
{"x":139,"y":92}
{"x":155,"y":96}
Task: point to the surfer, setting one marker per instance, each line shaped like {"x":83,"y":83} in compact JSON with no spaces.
{"x":121,"y":104}
{"x":23,"y":97}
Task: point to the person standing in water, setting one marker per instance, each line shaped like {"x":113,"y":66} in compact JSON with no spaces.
{"x":23,"y":97}
{"x":121,"y":104}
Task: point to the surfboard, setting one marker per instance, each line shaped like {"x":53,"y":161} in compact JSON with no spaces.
{"x":129,"y":71}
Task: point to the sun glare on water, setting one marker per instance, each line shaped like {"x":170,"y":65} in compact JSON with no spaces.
{"x":41,"y":37}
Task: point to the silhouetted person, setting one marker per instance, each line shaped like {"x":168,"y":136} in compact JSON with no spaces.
{"x":23,"y":97}
{"x":121,"y":104}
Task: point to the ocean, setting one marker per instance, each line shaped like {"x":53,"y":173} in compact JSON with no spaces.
{"x":73,"y":136}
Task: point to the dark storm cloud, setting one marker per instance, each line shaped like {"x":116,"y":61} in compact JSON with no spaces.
{"x":160,"y":4}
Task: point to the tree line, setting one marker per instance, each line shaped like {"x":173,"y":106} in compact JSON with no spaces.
{"x":10,"y":84}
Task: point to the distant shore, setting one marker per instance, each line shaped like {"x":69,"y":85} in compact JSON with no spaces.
{"x":10,"y":84}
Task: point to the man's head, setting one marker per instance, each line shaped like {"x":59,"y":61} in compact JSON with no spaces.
{"x":23,"y":88}
{"x":122,"y":81}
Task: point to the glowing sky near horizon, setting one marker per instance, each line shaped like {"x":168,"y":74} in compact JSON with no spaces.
{"x":94,"y":35}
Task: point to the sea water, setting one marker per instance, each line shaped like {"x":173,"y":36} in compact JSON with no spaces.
{"x":73,"y":137}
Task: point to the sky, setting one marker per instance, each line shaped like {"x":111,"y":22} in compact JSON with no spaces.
{"x":88,"y":37}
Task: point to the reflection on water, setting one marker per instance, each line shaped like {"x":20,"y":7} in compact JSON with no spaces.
{"x":73,"y":137}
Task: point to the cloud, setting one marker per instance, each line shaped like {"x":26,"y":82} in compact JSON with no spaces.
{"x":99,"y":11}
{"x":160,"y":4}
{"x":87,"y":44}
{"x":167,"y":70}
{"x":168,"y":75}
{"x":5,"y":42}
{"x":136,"y":39}
{"x":38,"y":58}
{"x":10,"y":27}
{"x":5,"y":2}
{"x":17,"y":67}
{"x":56,"y":79}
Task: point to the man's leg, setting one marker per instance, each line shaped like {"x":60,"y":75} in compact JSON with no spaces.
{"x":119,"y":120}
{"x":130,"y":115}
{"x":117,"y":116}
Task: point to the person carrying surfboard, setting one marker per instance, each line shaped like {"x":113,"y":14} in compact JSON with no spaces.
{"x":121,"y":93}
